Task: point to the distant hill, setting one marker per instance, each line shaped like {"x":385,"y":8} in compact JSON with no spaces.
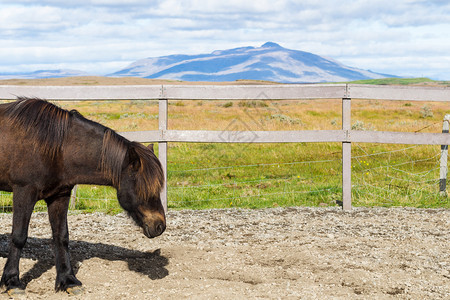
{"x":270,"y":62}
{"x":43,"y":74}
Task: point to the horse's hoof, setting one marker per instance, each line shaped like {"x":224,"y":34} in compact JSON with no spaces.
{"x":15,"y":292}
{"x":75,"y":291}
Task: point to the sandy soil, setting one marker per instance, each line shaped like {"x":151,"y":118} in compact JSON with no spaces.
{"x":288,"y":253}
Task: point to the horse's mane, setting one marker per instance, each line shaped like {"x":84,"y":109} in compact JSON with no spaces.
{"x":46,"y":125}
{"x":150,"y":178}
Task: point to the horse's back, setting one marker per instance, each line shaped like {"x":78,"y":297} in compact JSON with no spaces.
{"x":18,"y":160}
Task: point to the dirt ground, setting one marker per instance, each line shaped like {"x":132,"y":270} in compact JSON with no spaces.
{"x":279,"y":253}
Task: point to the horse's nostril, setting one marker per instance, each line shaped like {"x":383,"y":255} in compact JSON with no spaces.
{"x":154,"y":230}
{"x":160,"y":228}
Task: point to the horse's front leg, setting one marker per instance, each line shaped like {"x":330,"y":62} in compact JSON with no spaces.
{"x":57,"y":213}
{"x":24,"y":199}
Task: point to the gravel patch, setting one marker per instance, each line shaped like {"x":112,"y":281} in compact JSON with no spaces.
{"x":288,"y":253}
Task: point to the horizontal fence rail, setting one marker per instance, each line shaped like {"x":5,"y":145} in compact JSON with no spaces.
{"x":228,"y":92}
{"x":164,"y":93}
{"x":303,"y":136}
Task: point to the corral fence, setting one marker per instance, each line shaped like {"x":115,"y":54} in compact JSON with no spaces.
{"x":346,"y":136}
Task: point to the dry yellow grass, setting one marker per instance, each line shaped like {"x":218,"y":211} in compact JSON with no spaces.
{"x":274,"y":115}
{"x":232,"y":115}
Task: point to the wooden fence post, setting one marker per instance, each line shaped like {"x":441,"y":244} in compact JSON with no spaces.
{"x":73,"y":198}
{"x":444,"y":159}
{"x":163,"y":116}
{"x":346,"y":156}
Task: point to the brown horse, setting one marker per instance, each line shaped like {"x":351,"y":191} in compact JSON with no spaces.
{"x":44,"y":152}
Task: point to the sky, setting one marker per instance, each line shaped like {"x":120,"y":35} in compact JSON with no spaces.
{"x":407,"y":38}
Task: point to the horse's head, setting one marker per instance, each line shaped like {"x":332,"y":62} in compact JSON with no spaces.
{"x":139,"y":189}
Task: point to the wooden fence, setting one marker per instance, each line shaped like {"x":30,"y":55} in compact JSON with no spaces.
{"x":164,"y":93}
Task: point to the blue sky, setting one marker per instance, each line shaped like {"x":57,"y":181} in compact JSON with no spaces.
{"x":401,"y":37}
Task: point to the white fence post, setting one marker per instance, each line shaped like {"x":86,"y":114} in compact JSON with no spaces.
{"x":444,"y":158}
{"x":163,"y":116}
{"x":73,"y":198}
{"x":346,"y":156}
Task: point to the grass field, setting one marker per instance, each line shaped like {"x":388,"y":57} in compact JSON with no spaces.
{"x":204,"y":175}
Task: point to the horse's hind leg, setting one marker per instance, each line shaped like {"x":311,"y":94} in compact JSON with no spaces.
{"x":57,"y":212}
{"x":24,"y":199}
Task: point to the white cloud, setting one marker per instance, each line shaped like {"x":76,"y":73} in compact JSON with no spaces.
{"x":399,"y":37}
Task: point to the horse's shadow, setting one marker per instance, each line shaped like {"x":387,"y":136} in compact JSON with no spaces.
{"x":151,"y":264}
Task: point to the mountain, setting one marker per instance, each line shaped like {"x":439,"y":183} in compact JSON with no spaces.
{"x":43,"y":74}
{"x":269,"y":62}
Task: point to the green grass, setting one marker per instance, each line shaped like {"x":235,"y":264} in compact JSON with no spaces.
{"x":202,"y":176}
{"x":301,"y":175}
{"x":401,"y":81}
{"x":239,"y":175}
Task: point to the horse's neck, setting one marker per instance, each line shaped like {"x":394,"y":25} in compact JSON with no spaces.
{"x":82,"y":155}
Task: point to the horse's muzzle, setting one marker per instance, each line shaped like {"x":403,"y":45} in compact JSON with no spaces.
{"x":155,"y":230}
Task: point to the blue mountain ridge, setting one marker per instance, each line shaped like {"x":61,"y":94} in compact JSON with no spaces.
{"x":270,"y":62}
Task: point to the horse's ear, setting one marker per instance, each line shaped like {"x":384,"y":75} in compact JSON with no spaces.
{"x":150,"y":146}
